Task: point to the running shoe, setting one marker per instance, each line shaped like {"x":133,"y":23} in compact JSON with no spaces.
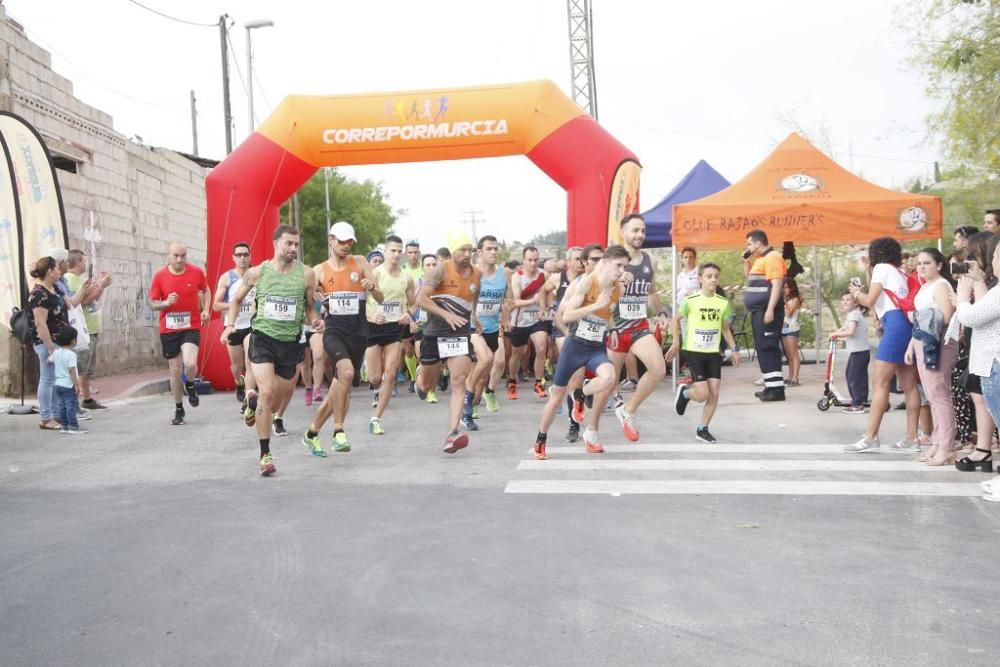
{"x":590,"y":442}
{"x":178,"y":419}
{"x":413,"y":387}
{"x":468,"y":423}
{"x":74,"y":430}
{"x":317,"y":394}
{"x":628,"y":423}
{"x":863,"y":445}
{"x":491,"y":402}
{"x":92,"y":404}
{"x":540,"y":390}
{"x":192,"y":394}
{"x":82,"y":415}
{"x":443,"y":382}
{"x":628,"y":384}
{"x":905,"y":446}
{"x":539,"y":451}
{"x":702,"y":434}
{"x":313,"y":444}
{"x":455,"y":442}
{"x":475,"y":412}
{"x":278,"y":426}
{"x":250,"y":412}
{"x":340,"y":442}
{"x":578,"y":412}
{"x":432,"y":397}
{"x":267,"y":466}
{"x":682,"y":400}
{"x":574,"y":432}
{"x":854,"y":410}
{"x":511,"y":391}
{"x":241,"y":390}
{"x":375,"y":426}
{"x":309,"y":396}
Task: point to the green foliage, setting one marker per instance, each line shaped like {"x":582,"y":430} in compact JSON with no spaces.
{"x":363,"y":204}
{"x":556,"y":238}
{"x":965,"y":201}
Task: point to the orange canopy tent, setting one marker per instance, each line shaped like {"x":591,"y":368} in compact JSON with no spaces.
{"x":799,"y":194}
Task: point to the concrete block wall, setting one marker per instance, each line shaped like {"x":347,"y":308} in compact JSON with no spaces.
{"x":123,"y":206}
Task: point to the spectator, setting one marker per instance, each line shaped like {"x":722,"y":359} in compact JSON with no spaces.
{"x":855,"y":336}
{"x":790,"y":330}
{"x":991,"y":222}
{"x":962,"y":235}
{"x":67,"y":381}
{"x":885,"y":256}
{"x":48,"y":314}
{"x":686,"y":282}
{"x":77,"y":266}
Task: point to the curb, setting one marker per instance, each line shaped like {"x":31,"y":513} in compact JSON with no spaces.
{"x":145,"y":388}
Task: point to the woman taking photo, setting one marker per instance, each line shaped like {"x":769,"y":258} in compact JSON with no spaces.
{"x":934,"y":348}
{"x":790,"y":330}
{"x":885,"y":256}
{"x":47,"y":312}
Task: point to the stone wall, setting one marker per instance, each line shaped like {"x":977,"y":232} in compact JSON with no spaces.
{"x":125,"y":202}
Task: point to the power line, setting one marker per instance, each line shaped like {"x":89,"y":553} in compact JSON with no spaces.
{"x":174,"y":18}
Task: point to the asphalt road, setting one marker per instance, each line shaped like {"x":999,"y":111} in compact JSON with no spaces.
{"x":142,"y":543}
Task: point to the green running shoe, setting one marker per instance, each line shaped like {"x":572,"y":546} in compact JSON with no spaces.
{"x":340,"y":443}
{"x":491,"y":402}
{"x":375,"y":427}
{"x":475,"y":412}
{"x":432,"y":397}
{"x":313,"y":445}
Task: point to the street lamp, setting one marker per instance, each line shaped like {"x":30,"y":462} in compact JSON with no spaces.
{"x":252,"y":25}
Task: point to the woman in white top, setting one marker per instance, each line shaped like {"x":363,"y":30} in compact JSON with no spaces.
{"x":983,"y":317}
{"x":885,"y":256}
{"x":933,"y":301}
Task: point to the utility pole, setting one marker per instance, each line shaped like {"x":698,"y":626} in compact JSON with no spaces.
{"x":583,"y":82}
{"x":326,"y":184}
{"x":226,"y":110}
{"x":194,"y":125}
{"x":472,"y":219}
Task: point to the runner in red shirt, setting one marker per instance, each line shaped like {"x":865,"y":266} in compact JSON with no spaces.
{"x":180,"y":292}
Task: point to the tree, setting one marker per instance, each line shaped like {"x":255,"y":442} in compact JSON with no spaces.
{"x":363,"y":204}
{"x":556,"y":238}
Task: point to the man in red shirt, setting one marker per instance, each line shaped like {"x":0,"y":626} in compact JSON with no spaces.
{"x":180,"y":292}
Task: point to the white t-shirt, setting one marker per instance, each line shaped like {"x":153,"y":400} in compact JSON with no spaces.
{"x":890,"y":278}
{"x":687,"y":284}
{"x":859,"y":341}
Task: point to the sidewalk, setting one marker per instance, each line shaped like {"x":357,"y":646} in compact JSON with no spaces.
{"x":109,"y":388}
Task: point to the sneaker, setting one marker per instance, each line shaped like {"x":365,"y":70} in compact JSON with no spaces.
{"x":63,"y":430}
{"x":309,"y":396}
{"x":178,"y":419}
{"x":267,"y":466}
{"x":628,"y":423}
{"x":455,"y":442}
{"x":863,"y":445}
{"x":628,"y":384}
{"x":574,"y":432}
{"x":491,"y":402}
{"x":340,"y":442}
{"x":375,"y":426}
{"x":192,"y":394}
{"x":82,"y":415}
{"x":91,"y":404}
{"x":682,"y":400}
{"x":511,"y":391}
{"x":590,"y":442}
{"x":432,"y":397}
{"x":313,"y":444}
{"x":539,"y":451}
{"x":702,"y":434}
{"x":578,"y":412}
{"x":250,"y":411}
{"x":413,"y":387}
{"x":75,"y":430}
{"x":468,"y":423}
{"x":854,"y":410}
{"x":241,"y":390}
{"x":475,"y":412}
{"x":539,"y":390}
{"x":317,"y":394}
{"x":443,"y":382}
{"x":278,"y":426}
{"x":905,"y":447}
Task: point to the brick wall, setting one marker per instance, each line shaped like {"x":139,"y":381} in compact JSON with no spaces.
{"x":123,"y":206}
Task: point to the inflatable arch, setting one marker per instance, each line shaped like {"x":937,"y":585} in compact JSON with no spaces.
{"x":535,"y":119}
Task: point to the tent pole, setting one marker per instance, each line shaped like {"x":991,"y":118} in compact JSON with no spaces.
{"x":819,"y":301}
{"x":675,"y":364}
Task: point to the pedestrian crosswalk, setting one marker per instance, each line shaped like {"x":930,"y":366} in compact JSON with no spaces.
{"x":764,"y":469}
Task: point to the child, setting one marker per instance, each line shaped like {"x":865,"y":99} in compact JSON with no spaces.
{"x":855,"y":335}
{"x":707,"y":316}
{"x":67,"y":381}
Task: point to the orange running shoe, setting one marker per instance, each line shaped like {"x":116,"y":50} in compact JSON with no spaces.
{"x":511,"y":391}
{"x":540,"y":451}
{"x":578,"y":411}
{"x":540,"y":390}
{"x":455,"y":442}
{"x":628,"y":423}
{"x":590,"y":442}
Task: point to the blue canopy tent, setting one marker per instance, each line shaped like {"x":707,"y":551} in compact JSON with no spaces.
{"x":700,"y":182}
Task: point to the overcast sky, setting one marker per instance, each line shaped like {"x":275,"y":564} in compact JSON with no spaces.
{"x":723,"y":80}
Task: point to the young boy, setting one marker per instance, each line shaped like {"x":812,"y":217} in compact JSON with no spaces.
{"x":707,"y":314}
{"x":67,"y":381}
{"x":855,"y":334}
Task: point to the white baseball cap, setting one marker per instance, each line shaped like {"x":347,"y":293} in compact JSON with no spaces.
{"x":58,"y":254}
{"x":343,"y":231}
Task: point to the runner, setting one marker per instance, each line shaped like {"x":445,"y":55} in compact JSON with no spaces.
{"x":385,"y":328}
{"x":530,"y":292}
{"x":237,"y":342}
{"x":590,"y":257}
{"x":345,"y":281}
{"x":489,"y":352}
{"x":429,"y":263}
{"x":587,"y":310}
{"x":285,"y":290}
{"x":449,"y":296}
{"x":180,"y":292}
{"x":413,"y":268}
{"x":706,"y":314}
{"x":632,"y":331}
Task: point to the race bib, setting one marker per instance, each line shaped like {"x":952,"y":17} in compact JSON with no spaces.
{"x":178,"y":320}
{"x":453,"y":347}
{"x":392,"y":310}
{"x":246,"y":306}
{"x":706,"y":339}
{"x":632,"y":307}
{"x":529,"y":314}
{"x":344,"y":303}
{"x":279,"y":308}
{"x":488,"y":309}
{"x":591,"y":330}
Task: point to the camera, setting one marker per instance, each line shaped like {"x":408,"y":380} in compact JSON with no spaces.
{"x":959,"y":268}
